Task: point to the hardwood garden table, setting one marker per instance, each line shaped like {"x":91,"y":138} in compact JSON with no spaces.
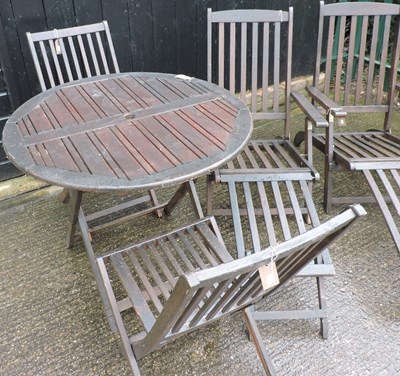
{"x":127,"y":131}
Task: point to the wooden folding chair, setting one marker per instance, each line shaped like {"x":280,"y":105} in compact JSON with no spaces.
{"x":70,"y":54}
{"x":64,"y":55}
{"x":360,"y":79}
{"x":269,"y":182}
{"x":185,"y":279}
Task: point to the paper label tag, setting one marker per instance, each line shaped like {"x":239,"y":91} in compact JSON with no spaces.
{"x":58,"y":47}
{"x":269,"y":275}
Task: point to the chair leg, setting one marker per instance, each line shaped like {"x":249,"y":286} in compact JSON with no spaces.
{"x":258,"y":343}
{"x":328,"y":184}
{"x":209,"y":190}
{"x":116,"y":323}
{"x":324,"y":325}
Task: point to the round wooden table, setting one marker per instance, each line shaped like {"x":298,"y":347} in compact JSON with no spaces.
{"x":127,"y":131}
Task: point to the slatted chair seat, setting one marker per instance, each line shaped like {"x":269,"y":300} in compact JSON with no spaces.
{"x":360,"y":151}
{"x":182,"y":280}
{"x":358,"y":51}
{"x":269,"y":184}
{"x":270,"y":157}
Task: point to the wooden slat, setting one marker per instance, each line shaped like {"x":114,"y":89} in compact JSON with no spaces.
{"x":243,"y":60}
{"x":143,"y":278}
{"x":133,"y":291}
{"x":236,"y":220}
{"x":254,"y":64}
{"x":277,"y":47}
{"x":372,"y":56}
{"x":329,"y":48}
{"x":265,"y":68}
{"x":339,"y":59}
{"x":152,"y":271}
{"x":180,"y":252}
{"x":360,"y":69}
{"x":383,"y":60}
{"x":232,"y":57}
{"x":221,"y":54}
{"x":75,"y":57}
{"x":350,"y":59}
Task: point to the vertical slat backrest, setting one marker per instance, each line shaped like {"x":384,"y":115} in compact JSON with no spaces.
{"x":361,"y":44}
{"x":246,"y":52}
{"x":201,"y":297}
{"x":70,"y":54}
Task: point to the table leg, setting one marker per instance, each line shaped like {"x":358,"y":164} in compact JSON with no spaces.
{"x":187,"y":187}
{"x":76,"y":199}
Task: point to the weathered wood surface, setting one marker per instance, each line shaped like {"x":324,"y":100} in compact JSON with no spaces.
{"x":127,"y":131}
{"x":185,"y":279}
{"x":358,"y":50}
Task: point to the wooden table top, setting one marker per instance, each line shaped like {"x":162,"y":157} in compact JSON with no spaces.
{"x":127,"y":131}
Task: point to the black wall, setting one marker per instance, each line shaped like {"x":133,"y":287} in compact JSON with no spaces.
{"x":148,"y":35}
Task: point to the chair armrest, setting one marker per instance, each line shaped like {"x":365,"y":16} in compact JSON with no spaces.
{"x":309,"y":110}
{"x":327,"y":103}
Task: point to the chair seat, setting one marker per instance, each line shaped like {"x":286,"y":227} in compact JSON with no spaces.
{"x":185,"y":279}
{"x":148,"y":271}
{"x":361,"y":151}
{"x":278,"y":159}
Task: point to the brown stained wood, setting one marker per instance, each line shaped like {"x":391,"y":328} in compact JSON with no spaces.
{"x":74,"y":98}
{"x":166,"y":140}
{"x":198,"y":143}
{"x":128,"y":127}
{"x":368,"y":75}
{"x":123,"y":100}
{"x":218,"y":111}
{"x":138,"y":90}
{"x":28,"y":125}
{"x":49,"y":114}
{"x":108,"y":105}
{"x":163,"y":90}
{"x":45,"y":155}
{"x":39,"y":121}
{"x":391,"y":148}
{"x":122,"y":156}
{"x":35,"y":155}
{"x":86,"y":150}
{"x":75,"y":155}
{"x":62,"y":109}
{"x":145,"y":148}
{"x":60,"y":155}
{"x":207,"y":126}
{"x":23,"y":128}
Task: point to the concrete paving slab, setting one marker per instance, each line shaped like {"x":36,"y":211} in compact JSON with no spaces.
{"x":52,"y":323}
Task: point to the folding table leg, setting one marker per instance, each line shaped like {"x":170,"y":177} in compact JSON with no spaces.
{"x":187,"y":187}
{"x":76,"y":200}
{"x":64,"y":195}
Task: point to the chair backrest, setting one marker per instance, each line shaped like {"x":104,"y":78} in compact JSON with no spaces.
{"x":253,"y":50}
{"x":64,"y":55}
{"x":204,"y":296}
{"x":360,"y":54}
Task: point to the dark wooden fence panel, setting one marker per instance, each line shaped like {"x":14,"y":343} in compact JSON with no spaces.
{"x":149,"y":35}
